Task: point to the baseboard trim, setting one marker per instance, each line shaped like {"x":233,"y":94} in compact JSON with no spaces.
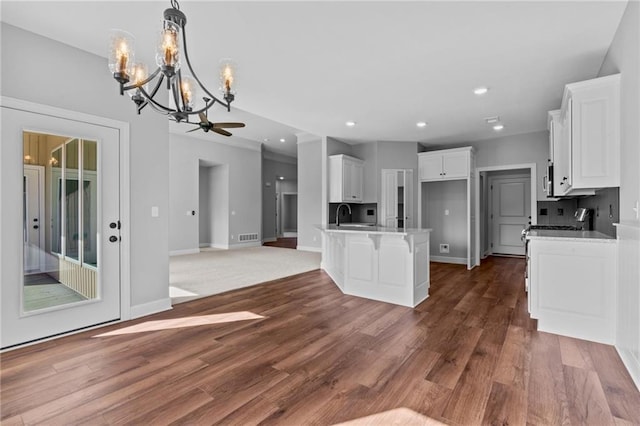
{"x":307,"y":248}
{"x":289,"y":234}
{"x":445,"y":259}
{"x":219,"y":246}
{"x":632,"y":365}
{"x":244,"y":245}
{"x":154,"y":307}
{"x":183,"y":252}
{"x":269,"y":240}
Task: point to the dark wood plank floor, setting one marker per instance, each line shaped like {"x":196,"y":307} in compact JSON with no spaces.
{"x":288,"y":242}
{"x":467,"y":355}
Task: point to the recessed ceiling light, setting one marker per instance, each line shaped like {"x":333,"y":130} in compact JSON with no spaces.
{"x":492,"y":120}
{"x":421,"y":124}
{"x":498,"y":127}
{"x":283,"y":140}
{"x":281,"y":178}
{"x":266,"y":139}
{"x":480,"y":90}
{"x":350,"y":123}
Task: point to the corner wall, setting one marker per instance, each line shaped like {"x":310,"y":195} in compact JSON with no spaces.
{"x":310,"y":206}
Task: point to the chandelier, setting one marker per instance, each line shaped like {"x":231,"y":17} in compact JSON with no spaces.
{"x":182,"y":87}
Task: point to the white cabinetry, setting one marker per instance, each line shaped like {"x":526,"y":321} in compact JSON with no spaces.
{"x":396,"y":207}
{"x":345,"y":179}
{"x":444,"y":164}
{"x":588,"y":153}
{"x":572,"y":287}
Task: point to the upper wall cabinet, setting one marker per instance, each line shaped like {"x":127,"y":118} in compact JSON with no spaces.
{"x":345,"y":179}
{"x":445,"y":164}
{"x":590,"y":136}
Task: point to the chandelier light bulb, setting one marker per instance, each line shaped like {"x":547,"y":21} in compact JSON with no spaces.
{"x":168,"y":52}
{"x":189,"y":92}
{"x":228,"y":71}
{"x":121,"y":54}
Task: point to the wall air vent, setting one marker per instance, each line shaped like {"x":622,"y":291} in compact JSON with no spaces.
{"x":243,"y":238}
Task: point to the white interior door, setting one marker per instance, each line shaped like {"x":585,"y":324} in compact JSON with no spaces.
{"x":81,"y":226}
{"x":511,"y":209}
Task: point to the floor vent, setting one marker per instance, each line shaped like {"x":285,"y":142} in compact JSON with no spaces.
{"x":243,"y":238}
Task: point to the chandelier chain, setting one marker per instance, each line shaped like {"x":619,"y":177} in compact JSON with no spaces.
{"x":175,"y":4}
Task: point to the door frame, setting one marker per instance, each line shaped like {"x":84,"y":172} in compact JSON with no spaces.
{"x":534,"y":195}
{"x":41,"y":213}
{"x":491,"y":222}
{"x":124,"y":174}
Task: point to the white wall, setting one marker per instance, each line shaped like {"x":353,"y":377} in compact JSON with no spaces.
{"x":310,"y":205}
{"x":205,"y":224}
{"x":624,"y":57}
{"x":447,"y":229}
{"x":243,"y":188}
{"x":38,"y":69}
{"x":219,"y":205}
{"x":274,"y":165}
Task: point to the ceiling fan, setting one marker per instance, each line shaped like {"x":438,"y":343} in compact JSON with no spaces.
{"x":219,"y":128}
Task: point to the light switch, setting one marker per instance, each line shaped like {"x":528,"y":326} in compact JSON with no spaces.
{"x":446,"y":212}
{"x":154,"y":211}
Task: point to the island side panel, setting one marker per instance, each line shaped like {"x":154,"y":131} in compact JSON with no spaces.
{"x":421,"y":268}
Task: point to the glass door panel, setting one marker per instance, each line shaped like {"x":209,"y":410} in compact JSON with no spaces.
{"x":68,"y":273}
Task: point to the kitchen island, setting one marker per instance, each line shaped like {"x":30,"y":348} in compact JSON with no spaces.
{"x":386,"y":264}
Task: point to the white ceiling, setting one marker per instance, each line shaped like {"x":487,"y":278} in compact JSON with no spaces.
{"x":311,"y":66}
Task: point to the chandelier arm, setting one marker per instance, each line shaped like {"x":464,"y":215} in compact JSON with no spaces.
{"x":179,"y":90}
{"x":157,"y":106}
{"x":195,"y":76}
{"x":177,"y":93}
{"x":142,"y":83}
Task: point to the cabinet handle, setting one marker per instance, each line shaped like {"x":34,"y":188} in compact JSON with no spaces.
{"x":565,"y":178}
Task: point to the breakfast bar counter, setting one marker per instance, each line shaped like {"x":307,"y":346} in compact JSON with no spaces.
{"x":386,"y":264}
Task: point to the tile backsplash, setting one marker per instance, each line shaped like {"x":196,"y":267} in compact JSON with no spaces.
{"x":604,"y":205}
{"x":360,"y":213}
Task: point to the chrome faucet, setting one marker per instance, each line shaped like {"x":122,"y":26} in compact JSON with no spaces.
{"x":338,"y":212}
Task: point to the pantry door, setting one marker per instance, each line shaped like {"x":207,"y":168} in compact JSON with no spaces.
{"x":77,"y":282}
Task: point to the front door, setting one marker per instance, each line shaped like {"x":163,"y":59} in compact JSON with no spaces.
{"x":511,"y":210}
{"x":60,"y":244}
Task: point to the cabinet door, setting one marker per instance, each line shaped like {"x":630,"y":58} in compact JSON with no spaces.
{"x":595,"y":140}
{"x":562,"y":156}
{"x":430,"y":167}
{"x":455,"y":165}
{"x":347,"y":178}
{"x":357,"y":178}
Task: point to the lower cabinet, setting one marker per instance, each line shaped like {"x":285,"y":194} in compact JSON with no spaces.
{"x":572,"y":287}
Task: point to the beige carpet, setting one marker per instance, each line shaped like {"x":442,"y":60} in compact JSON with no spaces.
{"x":215,"y":271}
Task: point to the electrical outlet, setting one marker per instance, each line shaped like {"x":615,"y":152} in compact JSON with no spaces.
{"x":444,"y":248}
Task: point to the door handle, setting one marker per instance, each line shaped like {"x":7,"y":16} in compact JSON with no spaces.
{"x":35,"y":226}
{"x":113,"y":238}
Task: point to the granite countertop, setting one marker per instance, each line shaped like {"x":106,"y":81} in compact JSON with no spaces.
{"x":552,"y":234}
{"x":371,"y":229}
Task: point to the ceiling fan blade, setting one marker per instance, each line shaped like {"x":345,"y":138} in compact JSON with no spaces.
{"x":227,"y":125}
{"x":192,"y":130}
{"x":203,"y":118}
{"x":221,"y":132}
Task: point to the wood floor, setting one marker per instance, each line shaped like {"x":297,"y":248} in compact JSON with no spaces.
{"x":467,"y":355}
{"x":284,"y":242}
